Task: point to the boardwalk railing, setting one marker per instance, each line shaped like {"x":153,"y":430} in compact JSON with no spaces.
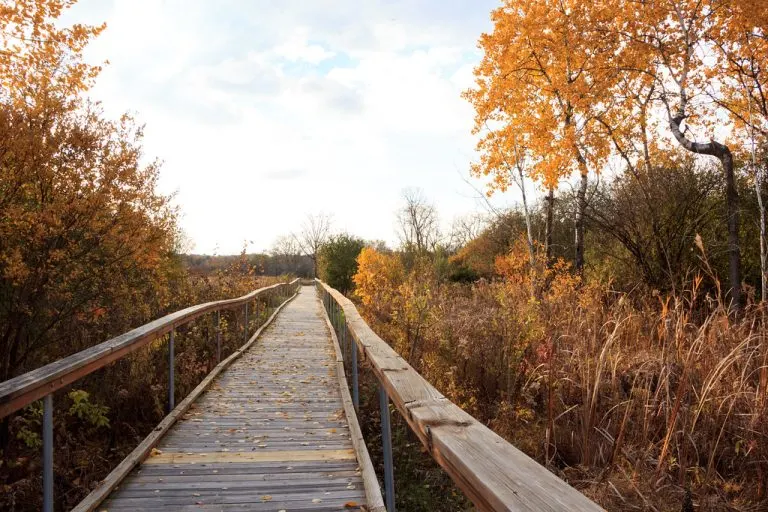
{"x":494,"y":474}
{"x":20,"y":391}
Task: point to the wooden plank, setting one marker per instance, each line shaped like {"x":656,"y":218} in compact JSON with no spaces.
{"x":22,"y":390}
{"x":261,"y":456}
{"x":495,"y":475}
{"x":96,"y":496}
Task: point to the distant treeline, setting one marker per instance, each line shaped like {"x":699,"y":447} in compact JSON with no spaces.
{"x":261,"y":264}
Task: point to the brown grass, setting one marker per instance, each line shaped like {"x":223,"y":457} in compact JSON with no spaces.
{"x":635,"y":400}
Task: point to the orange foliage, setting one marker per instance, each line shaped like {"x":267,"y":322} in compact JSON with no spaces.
{"x":538,"y":90}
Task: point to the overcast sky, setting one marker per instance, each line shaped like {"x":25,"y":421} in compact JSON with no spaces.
{"x":266,"y":111}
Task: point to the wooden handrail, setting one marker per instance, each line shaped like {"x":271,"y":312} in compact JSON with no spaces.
{"x":34,"y":385}
{"x":494,"y":474}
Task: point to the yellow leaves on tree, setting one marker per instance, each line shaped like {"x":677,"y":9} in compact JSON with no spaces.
{"x":41,"y":62}
{"x":538,"y":88}
{"x":378,"y":276}
{"x":396,"y":298}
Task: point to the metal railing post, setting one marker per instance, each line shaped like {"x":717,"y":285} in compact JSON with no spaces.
{"x":171,"y":384}
{"x":355,"y":390}
{"x":344,"y":333}
{"x":245,"y":323}
{"x":386,"y":442}
{"x":218,"y":336}
{"x":48,"y":453}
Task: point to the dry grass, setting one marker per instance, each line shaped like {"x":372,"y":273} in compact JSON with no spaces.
{"x":642,"y":402}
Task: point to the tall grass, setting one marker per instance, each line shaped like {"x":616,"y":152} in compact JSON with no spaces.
{"x":641,"y":401}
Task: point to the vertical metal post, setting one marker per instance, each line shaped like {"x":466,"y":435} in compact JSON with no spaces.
{"x":386,"y":442}
{"x":48,"y":453}
{"x":218,"y":336}
{"x":346,"y":340}
{"x":355,"y":391}
{"x":171,"y":384}
{"x":245,"y":323}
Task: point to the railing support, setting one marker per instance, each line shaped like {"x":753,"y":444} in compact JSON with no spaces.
{"x":386,"y":442}
{"x":218,"y":336}
{"x":48,"y":453}
{"x":345,"y":333}
{"x":245,"y":323}
{"x":355,"y":390}
{"x":171,"y":379}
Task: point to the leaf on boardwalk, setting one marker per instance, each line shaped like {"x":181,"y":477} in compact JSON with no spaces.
{"x":266,"y":497}
{"x":154,"y":451}
{"x":350,"y":504}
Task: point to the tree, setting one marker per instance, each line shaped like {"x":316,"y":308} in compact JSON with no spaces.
{"x":314,"y":233}
{"x":337,"y":261}
{"x":84,"y":233}
{"x":418,"y":224}
{"x":742,"y":41}
{"x":537,"y":93}
{"x":667,"y":41}
{"x":464,"y":229}
{"x":40,"y":62}
{"x":655,"y":221}
{"x":286,"y":254}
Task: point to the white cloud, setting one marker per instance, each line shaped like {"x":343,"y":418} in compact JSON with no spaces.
{"x":263,"y":113}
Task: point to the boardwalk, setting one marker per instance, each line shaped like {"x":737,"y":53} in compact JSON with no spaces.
{"x":269,"y":434}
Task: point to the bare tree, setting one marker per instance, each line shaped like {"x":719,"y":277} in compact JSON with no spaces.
{"x":466,"y":228}
{"x":418,"y":224}
{"x":287,"y":253}
{"x":314,"y":233}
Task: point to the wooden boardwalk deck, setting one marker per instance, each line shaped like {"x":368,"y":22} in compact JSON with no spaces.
{"x":269,"y":434}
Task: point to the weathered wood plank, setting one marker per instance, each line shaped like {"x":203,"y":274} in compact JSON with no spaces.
{"x":495,"y":475}
{"x":297,"y":455}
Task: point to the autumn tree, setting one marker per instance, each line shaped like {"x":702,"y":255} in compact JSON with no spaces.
{"x":672,"y":43}
{"x":741,"y":40}
{"x":40,"y":62}
{"x":543,"y":76}
{"x":83,"y":231}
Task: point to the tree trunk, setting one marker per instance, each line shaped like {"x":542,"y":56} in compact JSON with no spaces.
{"x":722,"y":153}
{"x":580,"y":210}
{"x":528,"y":224}
{"x":732,"y":211}
{"x":763,"y":256}
{"x":548,"y":225}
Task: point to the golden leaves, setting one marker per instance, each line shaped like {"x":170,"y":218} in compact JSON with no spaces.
{"x":545,"y":70}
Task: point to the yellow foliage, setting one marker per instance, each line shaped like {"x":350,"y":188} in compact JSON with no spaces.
{"x":378,"y":276}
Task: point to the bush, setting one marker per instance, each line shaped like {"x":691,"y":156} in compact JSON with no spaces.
{"x":337,"y":261}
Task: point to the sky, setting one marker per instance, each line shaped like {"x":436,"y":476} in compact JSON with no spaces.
{"x":266,"y":111}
